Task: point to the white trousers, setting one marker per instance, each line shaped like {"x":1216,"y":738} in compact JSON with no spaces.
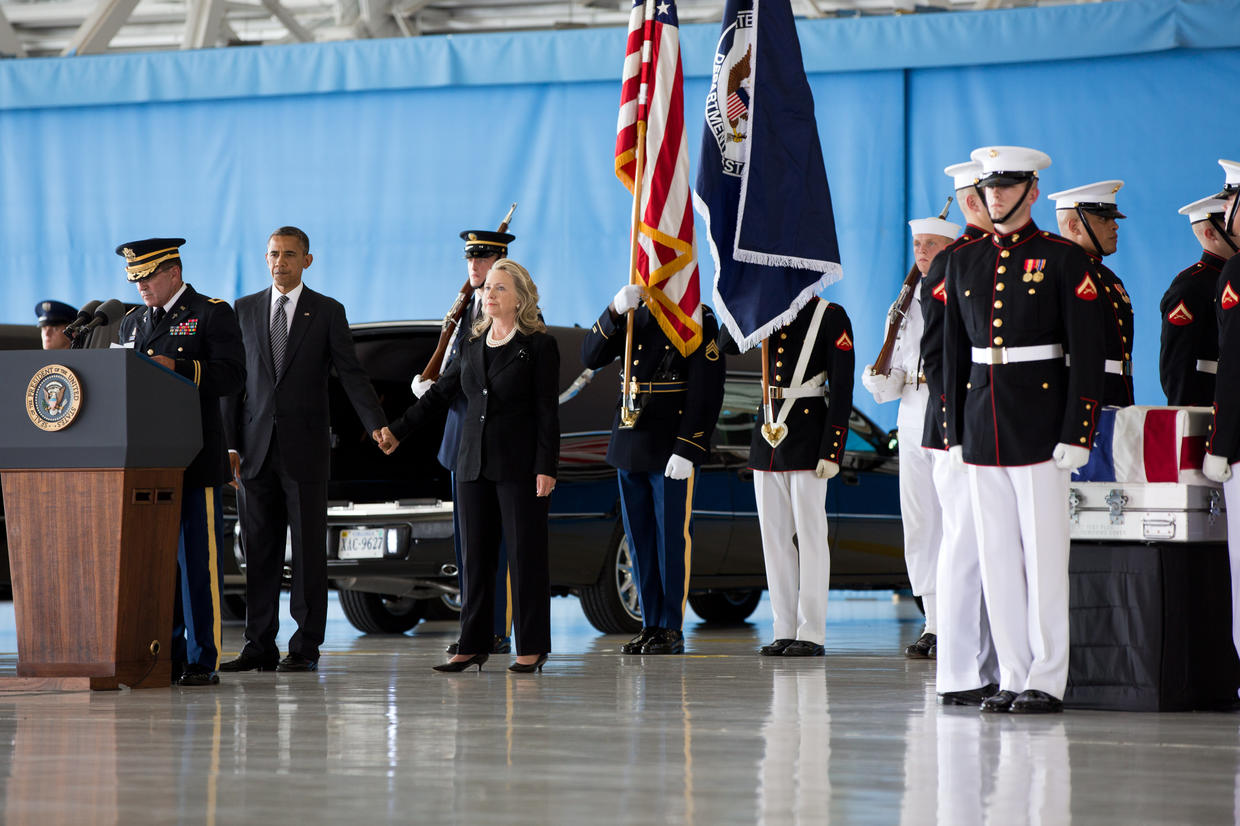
{"x":1021,"y":518}
{"x":794,"y":503}
{"x":966,"y":656}
{"x":1231,"y":497}
{"x":920,"y":509}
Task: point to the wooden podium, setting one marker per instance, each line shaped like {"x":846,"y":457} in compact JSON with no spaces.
{"x":93,"y":509}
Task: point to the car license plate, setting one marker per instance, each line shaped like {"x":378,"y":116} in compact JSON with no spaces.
{"x":362,"y":544}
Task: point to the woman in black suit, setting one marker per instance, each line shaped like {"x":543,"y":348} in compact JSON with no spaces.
{"x":508,"y":371}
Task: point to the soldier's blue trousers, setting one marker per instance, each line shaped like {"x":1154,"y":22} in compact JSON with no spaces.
{"x":658,"y":521}
{"x":196,"y":614}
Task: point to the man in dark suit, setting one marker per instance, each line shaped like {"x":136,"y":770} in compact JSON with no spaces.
{"x":278,"y":430}
{"x":198,"y":338}
{"x":482,"y":249}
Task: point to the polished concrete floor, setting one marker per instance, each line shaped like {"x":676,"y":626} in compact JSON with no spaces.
{"x":718,"y":736}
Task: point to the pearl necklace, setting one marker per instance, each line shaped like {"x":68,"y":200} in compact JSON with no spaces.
{"x":501,"y":342}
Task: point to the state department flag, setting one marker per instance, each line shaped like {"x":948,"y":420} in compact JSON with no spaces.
{"x":762,"y":185}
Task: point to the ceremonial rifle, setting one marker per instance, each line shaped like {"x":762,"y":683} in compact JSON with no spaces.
{"x":453,"y":319}
{"x":898,"y":313}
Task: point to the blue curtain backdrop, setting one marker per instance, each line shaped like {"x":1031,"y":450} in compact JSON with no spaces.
{"x":384,"y":150}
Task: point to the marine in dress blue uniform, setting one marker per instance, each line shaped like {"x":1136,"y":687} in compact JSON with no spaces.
{"x":1017,"y":302}
{"x":1188,"y":355}
{"x":482,"y":249}
{"x":1223,"y":449}
{"x":201,"y":337}
{"x":1087,"y":215}
{"x":681,"y":400}
{"x":810,"y":364}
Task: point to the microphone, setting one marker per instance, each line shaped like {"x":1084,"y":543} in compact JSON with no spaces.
{"x":84,"y":315}
{"x":107,"y":312}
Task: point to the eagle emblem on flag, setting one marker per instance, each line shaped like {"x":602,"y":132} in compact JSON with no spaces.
{"x":731,"y":83}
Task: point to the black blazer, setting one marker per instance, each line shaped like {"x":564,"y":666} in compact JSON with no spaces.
{"x":511,"y":427}
{"x":200,"y":335}
{"x":318,"y":340}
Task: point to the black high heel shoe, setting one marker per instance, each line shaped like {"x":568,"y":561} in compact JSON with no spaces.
{"x":529,"y":668}
{"x":460,"y":665}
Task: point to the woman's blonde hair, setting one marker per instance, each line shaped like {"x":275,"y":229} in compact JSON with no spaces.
{"x":529,"y":318}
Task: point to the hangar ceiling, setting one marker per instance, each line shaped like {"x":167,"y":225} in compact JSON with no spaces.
{"x":38,"y":28}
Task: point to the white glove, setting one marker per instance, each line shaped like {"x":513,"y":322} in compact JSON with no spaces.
{"x":826,"y":469}
{"x":420,"y":385}
{"x":1070,"y":457}
{"x":1216,"y":468}
{"x":678,"y":467}
{"x":956,"y":454}
{"x":883,"y":388}
{"x":627,"y":299}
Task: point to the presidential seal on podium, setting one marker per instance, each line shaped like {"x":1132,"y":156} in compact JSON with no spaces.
{"x":53,"y":397}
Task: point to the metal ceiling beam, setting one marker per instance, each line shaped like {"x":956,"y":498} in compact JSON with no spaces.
{"x":99,"y":27}
{"x":202,"y":23}
{"x":299,"y":32}
{"x":10,"y":43}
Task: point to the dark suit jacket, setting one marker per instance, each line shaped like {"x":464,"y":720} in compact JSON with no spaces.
{"x":200,"y":335}
{"x":319,"y":339}
{"x":450,"y":446}
{"x":511,"y":427}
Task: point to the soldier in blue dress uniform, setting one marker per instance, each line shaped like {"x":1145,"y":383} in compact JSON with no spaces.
{"x":1022,"y":419}
{"x":482,"y":249}
{"x":1087,"y":215}
{"x":1188,"y":356}
{"x":54,"y":316}
{"x":655,"y":459}
{"x":196,"y":337}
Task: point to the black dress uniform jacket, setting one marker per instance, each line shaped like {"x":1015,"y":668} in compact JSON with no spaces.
{"x":511,"y":427}
{"x":1014,"y":414}
{"x":1225,"y":433}
{"x":201,"y":336}
{"x":297,"y":406}
{"x":1117,"y":308}
{"x":817,"y":426}
{"x":933,"y":305}
{"x":1190,"y":333}
{"x":679,"y":421}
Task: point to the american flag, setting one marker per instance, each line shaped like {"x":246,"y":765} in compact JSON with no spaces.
{"x":652,"y":91}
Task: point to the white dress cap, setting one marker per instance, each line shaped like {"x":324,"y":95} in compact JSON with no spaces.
{"x":1098,"y":197}
{"x":935,"y":226}
{"x":964,"y":174}
{"x":1203,"y":209}
{"x":1006,"y":165}
{"x":1232,"y":168}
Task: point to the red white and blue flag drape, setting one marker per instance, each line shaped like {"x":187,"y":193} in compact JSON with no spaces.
{"x":652,"y":93}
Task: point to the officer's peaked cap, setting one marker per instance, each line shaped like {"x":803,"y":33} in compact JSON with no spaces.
{"x":1007,"y":165}
{"x":142,"y":257}
{"x":1098,"y":198}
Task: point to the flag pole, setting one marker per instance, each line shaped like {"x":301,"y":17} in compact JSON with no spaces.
{"x":628,"y":406}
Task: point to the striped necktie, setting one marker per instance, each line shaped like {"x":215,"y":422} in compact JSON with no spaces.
{"x":279,"y":335}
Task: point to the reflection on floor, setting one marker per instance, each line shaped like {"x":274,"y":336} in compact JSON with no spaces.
{"x":719,"y":736}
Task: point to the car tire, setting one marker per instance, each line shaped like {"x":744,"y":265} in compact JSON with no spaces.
{"x":726,"y":607}
{"x":379,"y":614}
{"x":446,"y":607}
{"x":611,"y":604}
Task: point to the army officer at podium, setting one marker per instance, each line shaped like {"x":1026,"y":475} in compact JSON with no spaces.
{"x":198,"y":338}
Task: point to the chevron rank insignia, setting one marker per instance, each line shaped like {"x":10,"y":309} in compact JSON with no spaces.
{"x":1229,"y":298}
{"x":1180,"y":316}
{"x":1086,"y":291}
{"x":940,"y":291}
{"x":844,"y":342}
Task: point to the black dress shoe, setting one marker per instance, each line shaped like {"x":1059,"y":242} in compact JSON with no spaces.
{"x":804,"y":648}
{"x":1032,"y":701}
{"x":456,"y":667}
{"x":920,"y":650}
{"x":933,"y":653}
{"x":1000,"y":702}
{"x":501,"y":645}
{"x":970,"y":697}
{"x":667,"y":641}
{"x":528,"y":668}
{"x":178,"y":669}
{"x":249,"y":661}
{"x":296,"y":662}
{"x":635,"y":645}
{"x":196,"y":675}
{"x":776,"y":648}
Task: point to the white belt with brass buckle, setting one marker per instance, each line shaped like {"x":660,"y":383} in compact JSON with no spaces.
{"x":1012,"y":355}
{"x":1118,"y":368}
{"x":798,"y":392}
{"x":1206,"y":366}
